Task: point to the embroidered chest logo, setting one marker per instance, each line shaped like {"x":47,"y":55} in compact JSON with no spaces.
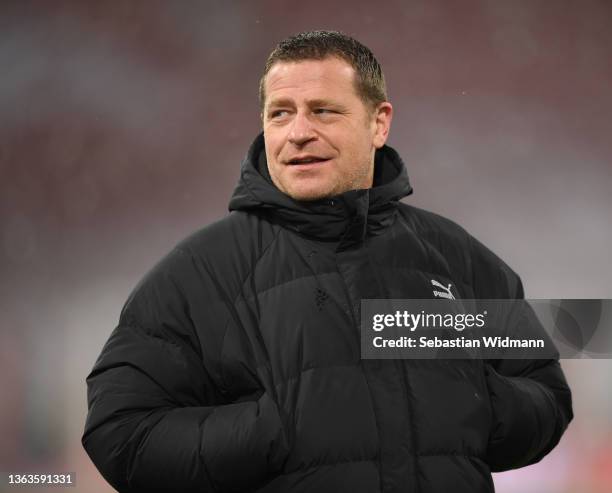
{"x":442,"y":294}
{"x":321,"y":298}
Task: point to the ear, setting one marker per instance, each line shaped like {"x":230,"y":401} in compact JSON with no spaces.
{"x":383,"y":115}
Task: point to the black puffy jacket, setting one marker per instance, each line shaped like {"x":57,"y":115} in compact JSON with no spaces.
{"x":236,"y":365}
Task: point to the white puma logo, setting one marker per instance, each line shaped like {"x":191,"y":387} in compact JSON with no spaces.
{"x":447,"y":291}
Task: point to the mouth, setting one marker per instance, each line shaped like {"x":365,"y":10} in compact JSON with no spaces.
{"x":307,"y":160}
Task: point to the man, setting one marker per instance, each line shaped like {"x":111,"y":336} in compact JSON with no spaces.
{"x":236,"y":362}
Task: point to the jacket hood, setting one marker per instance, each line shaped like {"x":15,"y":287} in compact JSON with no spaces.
{"x":347,"y":217}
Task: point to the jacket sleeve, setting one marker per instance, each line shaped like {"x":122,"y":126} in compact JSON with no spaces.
{"x":156,"y":420}
{"x":530,"y":399}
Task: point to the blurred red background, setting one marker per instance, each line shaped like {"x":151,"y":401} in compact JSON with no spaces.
{"x":122,"y":126}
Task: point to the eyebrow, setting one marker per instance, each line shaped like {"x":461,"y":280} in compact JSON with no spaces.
{"x":312,"y":102}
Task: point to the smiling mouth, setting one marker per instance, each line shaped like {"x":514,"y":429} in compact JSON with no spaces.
{"x":310,"y":160}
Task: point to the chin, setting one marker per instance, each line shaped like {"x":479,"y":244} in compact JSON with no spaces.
{"x":309,"y":189}
{"x":309,"y":194}
{"x":307,"y":197}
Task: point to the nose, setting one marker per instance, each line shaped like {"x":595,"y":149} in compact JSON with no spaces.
{"x":302,"y":130}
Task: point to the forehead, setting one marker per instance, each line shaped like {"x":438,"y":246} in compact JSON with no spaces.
{"x":310,"y":78}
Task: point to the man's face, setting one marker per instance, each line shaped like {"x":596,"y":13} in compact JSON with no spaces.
{"x":320,"y":136}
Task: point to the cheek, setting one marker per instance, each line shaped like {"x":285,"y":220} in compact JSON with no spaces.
{"x":273,"y":148}
{"x":356,"y":146}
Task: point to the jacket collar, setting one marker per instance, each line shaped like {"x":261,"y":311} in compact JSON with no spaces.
{"x":346,"y":218}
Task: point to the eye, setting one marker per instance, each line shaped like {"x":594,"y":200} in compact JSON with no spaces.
{"x":277,"y":113}
{"x":319,"y":111}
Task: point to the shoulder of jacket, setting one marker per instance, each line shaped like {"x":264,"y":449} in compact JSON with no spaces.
{"x":238,"y":233}
{"x":227,"y":250}
{"x":430,"y":224}
{"x":212,"y":263}
{"x":487,"y":273}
